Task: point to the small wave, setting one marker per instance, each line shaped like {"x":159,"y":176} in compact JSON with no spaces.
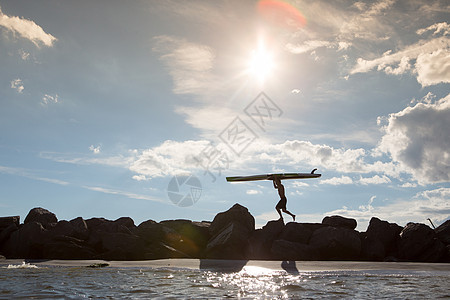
{"x":24,"y":265}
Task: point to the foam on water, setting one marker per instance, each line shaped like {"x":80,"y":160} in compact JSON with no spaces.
{"x":24,"y":265}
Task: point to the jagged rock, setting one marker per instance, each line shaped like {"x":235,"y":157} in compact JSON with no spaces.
{"x":26,"y":242}
{"x":338,"y":221}
{"x":7,"y":221}
{"x":76,"y":228}
{"x":418,"y":242}
{"x":372,"y":249}
{"x":262,"y":239}
{"x":192,"y":236}
{"x":66,"y":247}
{"x":443,"y":232}
{"x":380,"y":240}
{"x":387,"y":233}
{"x":336,"y":243}
{"x":238,"y":215}
{"x":115,"y":239}
{"x":151,"y":231}
{"x":230,"y":231}
{"x":42,"y":216}
{"x":296,"y":232}
{"x":121,"y":246}
{"x":287,"y":250}
{"x":6,"y":233}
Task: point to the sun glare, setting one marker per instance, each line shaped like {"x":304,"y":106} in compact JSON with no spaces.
{"x":261,"y":64}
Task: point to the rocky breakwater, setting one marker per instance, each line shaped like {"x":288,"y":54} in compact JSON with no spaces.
{"x":231,"y":235}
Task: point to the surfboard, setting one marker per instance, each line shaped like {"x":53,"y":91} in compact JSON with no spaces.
{"x":271,"y":176}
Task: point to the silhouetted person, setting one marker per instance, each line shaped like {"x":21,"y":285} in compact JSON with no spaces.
{"x":281,"y":205}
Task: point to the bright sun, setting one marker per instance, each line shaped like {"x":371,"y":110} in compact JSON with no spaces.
{"x":261,"y":64}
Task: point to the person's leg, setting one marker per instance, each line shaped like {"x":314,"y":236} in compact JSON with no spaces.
{"x":279,"y":212}
{"x":289,"y":213}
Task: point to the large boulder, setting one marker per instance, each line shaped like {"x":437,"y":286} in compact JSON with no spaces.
{"x":297,"y":233}
{"x":230,"y":231}
{"x":7,"y":221}
{"x":261,"y":240}
{"x":5,"y":233}
{"x":115,"y":240}
{"x":42,"y":216}
{"x":380,"y":240}
{"x":192,"y":236}
{"x":76,"y":228}
{"x":26,"y":242}
{"x":418,"y":242}
{"x":237,"y":215}
{"x":287,"y":250}
{"x":372,"y":249}
{"x":339,"y":221}
{"x":67,"y":247}
{"x":443,"y":232}
{"x":336,"y":243}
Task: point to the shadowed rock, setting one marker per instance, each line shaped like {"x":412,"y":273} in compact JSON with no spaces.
{"x":286,"y":250}
{"x":231,"y":235}
{"x":338,"y":221}
{"x":336,"y":243}
{"x":418,"y":242}
{"x":297,"y":233}
{"x":230,"y":231}
{"x":42,"y":216}
{"x":380,"y":240}
{"x":26,"y":242}
{"x":7,"y":221}
{"x":443,"y":232}
{"x":262,"y":239}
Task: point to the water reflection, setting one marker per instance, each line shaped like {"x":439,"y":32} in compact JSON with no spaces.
{"x":290,"y":267}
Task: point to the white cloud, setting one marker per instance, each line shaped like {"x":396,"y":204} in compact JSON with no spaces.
{"x":169,"y":158}
{"x":253,"y":192}
{"x":26,"y":29}
{"x":337,"y":180}
{"x":432,"y":61}
{"x":125,"y":194}
{"x":374,"y":180}
{"x":48,"y":99}
{"x":189,"y":64}
{"x":418,"y":139}
{"x":24,"y":55}
{"x":433,"y":68}
{"x":307,"y":46}
{"x":30,"y":174}
{"x":366,"y":23}
{"x":17,"y":84}
{"x":76,"y":158}
{"x":443,"y":28}
{"x":95,"y":150}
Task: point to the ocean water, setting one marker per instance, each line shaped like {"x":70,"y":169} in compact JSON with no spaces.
{"x":250,"y":282}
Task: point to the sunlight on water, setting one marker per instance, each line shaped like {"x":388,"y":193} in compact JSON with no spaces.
{"x":26,"y":281}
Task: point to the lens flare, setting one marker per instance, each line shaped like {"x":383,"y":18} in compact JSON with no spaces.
{"x":281,"y":13}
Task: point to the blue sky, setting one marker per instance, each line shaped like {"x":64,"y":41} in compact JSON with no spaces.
{"x":104,"y":102}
